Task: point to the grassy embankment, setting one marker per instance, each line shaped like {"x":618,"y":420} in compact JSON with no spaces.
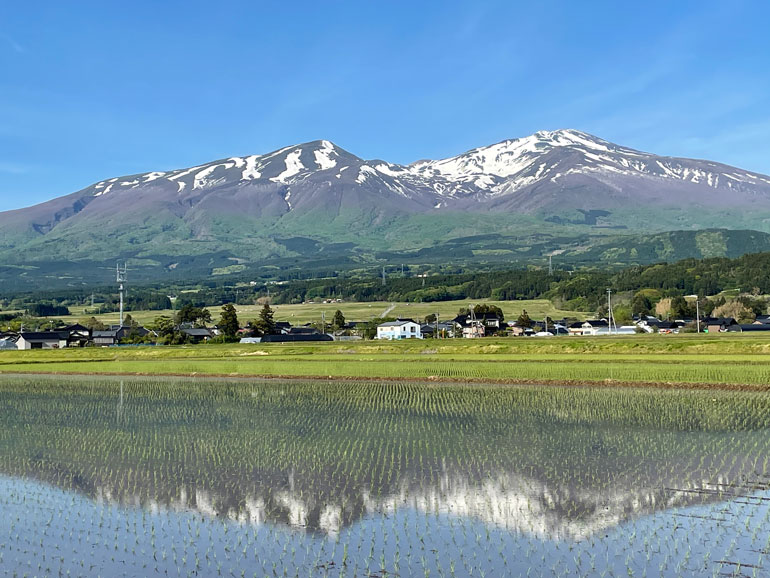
{"x":732,"y":361}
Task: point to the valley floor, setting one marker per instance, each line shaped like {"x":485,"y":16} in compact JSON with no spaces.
{"x":725,"y":361}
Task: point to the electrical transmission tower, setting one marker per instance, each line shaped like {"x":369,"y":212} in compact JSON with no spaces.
{"x":121,"y":278}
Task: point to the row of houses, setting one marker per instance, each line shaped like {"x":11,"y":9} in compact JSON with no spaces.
{"x":462,"y":326}
{"x":80,"y":336}
{"x":467,"y":327}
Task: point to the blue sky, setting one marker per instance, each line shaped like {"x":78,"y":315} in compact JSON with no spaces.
{"x":91,"y":90}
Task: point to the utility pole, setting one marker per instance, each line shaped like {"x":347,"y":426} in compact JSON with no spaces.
{"x":121,"y":278}
{"x":550,"y":265}
{"x":383,"y":275}
{"x":610,"y":319}
{"x":697,"y":313}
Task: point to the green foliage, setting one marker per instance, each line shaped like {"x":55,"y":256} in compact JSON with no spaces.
{"x":228,"y":322}
{"x":339,"y":320}
{"x":47,"y":310}
{"x":523,"y":319}
{"x":198,"y":316}
{"x":93,"y":324}
{"x":265,"y":324}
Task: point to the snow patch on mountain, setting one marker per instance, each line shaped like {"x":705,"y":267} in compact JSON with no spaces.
{"x":293,"y":166}
{"x":251,"y":171}
{"x":201,"y":179}
{"x":153,"y":176}
{"x":363,"y":174}
{"x":323,"y":156}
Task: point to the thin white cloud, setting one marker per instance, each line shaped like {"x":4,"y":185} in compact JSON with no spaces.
{"x":10,"y":168}
{"x":15,"y":46}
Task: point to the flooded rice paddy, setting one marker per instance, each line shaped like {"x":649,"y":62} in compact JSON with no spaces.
{"x":144,"y":477}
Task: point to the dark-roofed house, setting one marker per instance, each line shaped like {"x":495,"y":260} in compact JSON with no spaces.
{"x":282,"y":326}
{"x":720,"y":324}
{"x":78,"y":335}
{"x":42,"y":340}
{"x":666,"y":326}
{"x":113,"y":336}
{"x":198,"y":334}
{"x":104,"y":337}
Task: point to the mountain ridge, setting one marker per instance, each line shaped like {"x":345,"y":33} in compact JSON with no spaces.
{"x":559,"y":183}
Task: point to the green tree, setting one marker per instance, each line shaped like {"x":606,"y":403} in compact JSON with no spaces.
{"x":339,"y":320}
{"x":129,"y":321}
{"x":641,"y":304}
{"x":484,"y":308}
{"x":228,"y":322}
{"x":680,"y":308}
{"x":163,"y":325}
{"x":93,"y":324}
{"x":265,"y":324}
{"x":524,"y":319}
{"x":198,"y":316}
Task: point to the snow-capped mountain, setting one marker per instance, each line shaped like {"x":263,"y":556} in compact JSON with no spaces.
{"x":245,"y":208}
{"x":484,"y":176}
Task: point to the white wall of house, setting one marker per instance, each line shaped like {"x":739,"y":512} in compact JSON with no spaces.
{"x":405,"y":330}
{"x":45,"y":343}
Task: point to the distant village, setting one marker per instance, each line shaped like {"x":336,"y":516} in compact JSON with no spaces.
{"x":464,"y":326}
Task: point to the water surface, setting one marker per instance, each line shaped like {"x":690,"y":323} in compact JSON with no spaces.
{"x":110,"y":477}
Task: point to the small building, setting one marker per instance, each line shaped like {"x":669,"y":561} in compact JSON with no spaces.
{"x":720,"y":324}
{"x":42,"y":340}
{"x":590,"y":327}
{"x":104,"y":337}
{"x":296,"y":337}
{"x":250,"y":340}
{"x":399,"y":329}
{"x":474,"y":329}
{"x":112,"y":336}
{"x":198,"y":334}
{"x":78,"y":335}
{"x":282,"y":327}
{"x":666,"y":326}
{"x":7,"y":345}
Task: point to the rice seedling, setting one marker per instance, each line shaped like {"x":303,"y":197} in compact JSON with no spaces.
{"x":242,"y":478}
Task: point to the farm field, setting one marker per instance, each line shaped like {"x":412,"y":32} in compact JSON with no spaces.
{"x":313,"y":312}
{"x":687,"y":360}
{"x":207,"y":477}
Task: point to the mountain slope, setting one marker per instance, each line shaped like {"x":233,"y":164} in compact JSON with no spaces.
{"x":243,"y":211}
